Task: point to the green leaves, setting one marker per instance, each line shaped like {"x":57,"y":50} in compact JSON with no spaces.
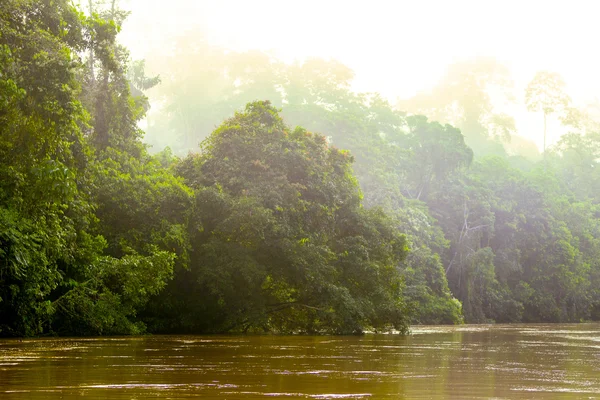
{"x":61,"y":269}
{"x":284,"y":244}
{"x":267,"y":228}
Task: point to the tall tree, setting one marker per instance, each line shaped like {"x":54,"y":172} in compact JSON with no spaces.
{"x":463,"y":98}
{"x":546,"y":93}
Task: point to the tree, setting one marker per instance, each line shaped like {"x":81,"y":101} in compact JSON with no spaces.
{"x":463,"y":98}
{"x":43,"y":212}
{"x":202,"y":85}
{"x":436,"y":152}
{"x":285,"y":244}
{"x":62,"y":270}
{"x":139,"y":82}
{"x":545,"y":93}
{"x":398,"y":159}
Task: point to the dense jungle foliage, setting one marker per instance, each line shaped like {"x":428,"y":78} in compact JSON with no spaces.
{"x":285,"y":202}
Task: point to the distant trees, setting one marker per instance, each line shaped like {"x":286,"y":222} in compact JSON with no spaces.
{"x":266,"y":226}
{"x":546,"y":93}
{"x":479,"y":229}
{"x":200,"y":86}
{"x":462,"y":98}
{"x":264,"y":231}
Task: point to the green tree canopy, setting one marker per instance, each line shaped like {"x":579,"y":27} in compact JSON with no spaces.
{"x":285,"y":244}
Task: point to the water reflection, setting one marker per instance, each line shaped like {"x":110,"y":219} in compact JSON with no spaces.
{"x":466,"y":362}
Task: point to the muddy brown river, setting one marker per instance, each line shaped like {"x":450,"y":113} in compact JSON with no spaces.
{"x":463,"y":362}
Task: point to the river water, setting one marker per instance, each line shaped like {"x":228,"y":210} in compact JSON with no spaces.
{"x":459,"y":362}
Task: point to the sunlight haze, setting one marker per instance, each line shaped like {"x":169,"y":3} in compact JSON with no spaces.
{"x":307,"y":199}
{"x":396,"y":48}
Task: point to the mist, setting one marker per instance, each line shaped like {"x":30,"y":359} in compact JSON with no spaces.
{"x":274,"y":174}
{"x":398,"y":49}
{"x":315,"y":168}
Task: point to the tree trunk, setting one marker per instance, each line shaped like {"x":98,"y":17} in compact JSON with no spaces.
{"x":544,"y":135}
{"x":91,"y":61}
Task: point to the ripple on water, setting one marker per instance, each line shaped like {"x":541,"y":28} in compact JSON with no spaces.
{"x":305,"y":395}
{"x":556,"y":390}
{"x":340,"y":396}
{"x":435,"y":362}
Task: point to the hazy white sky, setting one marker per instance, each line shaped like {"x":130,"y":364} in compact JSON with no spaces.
{"x":395,"y":47}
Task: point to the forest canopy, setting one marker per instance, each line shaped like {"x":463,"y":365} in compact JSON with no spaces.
{"x":270,"y":197}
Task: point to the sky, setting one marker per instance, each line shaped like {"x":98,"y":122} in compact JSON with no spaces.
{"x":397,"y":48}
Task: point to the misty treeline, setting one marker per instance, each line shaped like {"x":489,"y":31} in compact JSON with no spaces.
{"x":249,"y":221}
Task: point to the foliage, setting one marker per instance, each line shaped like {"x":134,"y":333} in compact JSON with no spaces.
{"x":494,"y":228}
{"x":59,"y":175}
{"x":284,"y":243}
{"x":546,"y":93}
{"x":465,"y":98}
{"x":438,"y":218}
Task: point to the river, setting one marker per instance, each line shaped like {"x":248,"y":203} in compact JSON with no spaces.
{"x":452,"y":362}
